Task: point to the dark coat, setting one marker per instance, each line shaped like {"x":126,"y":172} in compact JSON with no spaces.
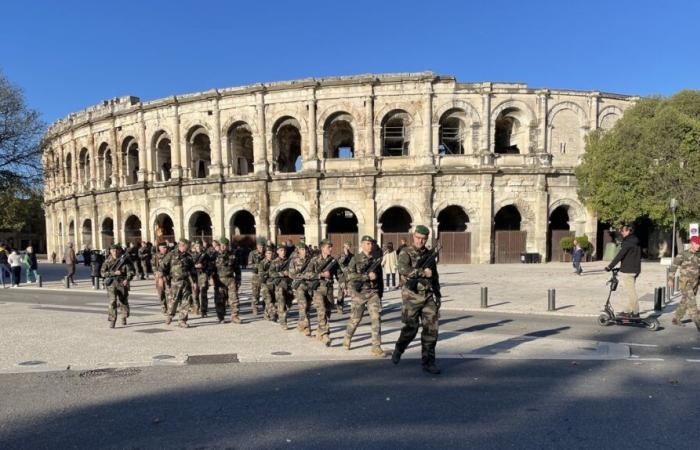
{"x":630,"y":256}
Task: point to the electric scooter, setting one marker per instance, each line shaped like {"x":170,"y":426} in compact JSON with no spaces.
{"x":608,"y":317}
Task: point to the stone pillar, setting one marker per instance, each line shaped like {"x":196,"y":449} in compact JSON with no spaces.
{"x":428,"y":124}
{"x":216,"y":167}
{"x":260,"y":163}
{"x":538,"y":242}
{"x":118,"y":229}
{"x":369,"y":126}
{"x":594,"y":105}
{"x":219,"y":219}
{"x":93,"y":161}
{"x":310,"y":160}
{"x":175,"y":151}
{"x":542,"y":107}
{"x":96,"y":228}
{"x":485,"y":145}
{"x":482,"y":249}
{"x":179,"y":225}
{"x":117,"y":163}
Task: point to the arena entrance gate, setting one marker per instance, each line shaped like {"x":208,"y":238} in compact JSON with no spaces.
{"x":453,"y":236}
{"x":341,"y":226}
{"x":510,"y":242}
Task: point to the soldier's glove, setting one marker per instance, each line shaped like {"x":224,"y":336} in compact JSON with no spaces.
{"x":607,"y":269}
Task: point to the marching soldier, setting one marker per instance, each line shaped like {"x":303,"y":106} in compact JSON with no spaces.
{"x":297,"y":272}
{"x":254,"y":259}
{"x":178,"y":269}
{"x":267,"y":289}
{"x":278,"y":275}
{"x":367,"y":288}
{"x":421,"y":300}
{"x":145,"y":259}
{"x":226,"y":264}
{"x":343,"y":261}
{"x":202,"y":266}
{"x":133,"y":252}
{"x":322,"y":270}
{"x":117,"y":271}
{"x":160,"y":279}
{"x":689,"y":264}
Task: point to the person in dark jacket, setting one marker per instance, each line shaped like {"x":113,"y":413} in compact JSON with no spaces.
{"x":577,"y":256}
{"x":630,"y":260}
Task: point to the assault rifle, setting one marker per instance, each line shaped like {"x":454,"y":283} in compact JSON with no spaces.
{"x":297,"y":282}
{"x":330,"y":265}
{"x":283,"y":268}
{"x":109,"y":280}
{"x":424,"y":262}
{"x":357,"y":284}
{"x":200,"y":260}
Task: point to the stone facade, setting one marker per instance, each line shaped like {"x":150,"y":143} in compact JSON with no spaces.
{"x":274,"y":159}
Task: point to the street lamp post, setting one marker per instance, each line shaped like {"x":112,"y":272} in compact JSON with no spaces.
{"x":674,"y":206}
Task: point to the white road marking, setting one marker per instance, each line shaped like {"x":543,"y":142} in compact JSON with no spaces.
{"x":640,"y":345}
{"x":693,"y":360}
{"x":632,"y":358}
{"x":696,"y":348}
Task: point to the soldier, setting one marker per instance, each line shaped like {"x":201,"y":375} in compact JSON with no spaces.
{"x":421,"y":300}
{"x":254,"y":259}
{"x":202,"y":266}
{"x":343,"y":261}
{"x":133,"y":252}
{"x":160,"y":279}
{"x":226,"y":264}
{"x":279,"y":277}
{"x":117,"y":270}
{"x":689,"y":264}
{"x":297,"y":272}
{"x":144,"y":253}
{"x":367,"y":288}
{"x":267,"y":288}
{"x":322,"y":270}
{"x":180,"y":276}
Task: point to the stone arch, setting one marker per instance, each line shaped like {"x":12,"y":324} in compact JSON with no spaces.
{"x":84,"y":174}
{"x":514,"y":123}
{"x":288,"y":225}
{"x":248,"y":119}
{"x":356,"y":209}
{"x":467,"y":107}
{"x":132,"y":229}
{"x":455,"y":132}
{"x":339,"y":135}
{"x":402,"y":221}
{"x":105,"y":165}
{"x":68,"y":168}
{"x":200,"y":226}
{"x":106,"y":232}
{"x":290,"y":205}
{"x":198,"y":146}
{"x":195,"y":209}
{"x":396,"y":133}
{"x":516,"y":104}
{"x":452,"y":217}
{"x":567,"y":124}
{"x":86,"y":232}
{"x":346,"y":107}
{"x":555,"y":109}
{"x":579,"y":213}
{"x":524,"y":209}
{"x":161,"y":154}
{"x":287,"y":144}
{"x":341,"y":223}
{"x":130,"y":149}
{"x":410,"y":108}
{"x":471,"y":212}
{"x":163,"y":226}
{"x":608,"y":116}
{"x":239,"y":145}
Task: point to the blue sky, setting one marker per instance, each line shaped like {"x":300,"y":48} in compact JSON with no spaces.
{"x":68,"y":55}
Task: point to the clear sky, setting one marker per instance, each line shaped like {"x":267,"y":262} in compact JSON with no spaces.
{"x":68,"y":55}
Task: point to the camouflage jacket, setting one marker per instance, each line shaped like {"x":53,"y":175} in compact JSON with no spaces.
{"x":226,"y":264}
{"x":254,"y":259}
{"x":407,"y":268}
{"x":276,"y":268}
{"x":205,"y":260}
{"x":689,"y":263}
{"x":127,"y":269}
{"x":264,"y":269}
{"x":343,"y":262}
{"x":317,"y":265}
{"x":358,"y":276}
{"x":177,"y":266}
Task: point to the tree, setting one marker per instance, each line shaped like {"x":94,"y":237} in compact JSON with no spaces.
{"x":651,"y":155}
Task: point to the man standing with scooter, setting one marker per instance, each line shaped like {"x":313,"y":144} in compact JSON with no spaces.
{"x":689,"y":264}
{"x":630,"y":259}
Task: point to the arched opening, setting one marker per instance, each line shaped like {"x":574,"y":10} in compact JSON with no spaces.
{"x":341,"y":226}
{"x":130,"y":160}
{"x":199,"y":149}
{"x":396,"y":224}
{"x":395,"y":135}
{"x":509,"y":242}
{"x":132,"y":230}
{"x":242,"y":229}
{"x":71,"y":232}
{"x":164,"y":228}
{"x":240,"y":148}
{"x":69,"y":168}
{"x":453,"y":235}
{"x":454,"y":133}
{"x":287,"y":145}
{"x":84,"y":167}
{"x":338,"y":136}
{"x":107,"y":232}
{"x":511,"y":133}
{"x":558,"y":229}
{"x":86,"y":236}
{"x":163,"y":157}
{"x":289,"y":226}
{"x":104,"y":165}
{"x":200,"y":227}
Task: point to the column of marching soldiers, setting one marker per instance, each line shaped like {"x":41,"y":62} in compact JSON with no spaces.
{"x":184,"y":275}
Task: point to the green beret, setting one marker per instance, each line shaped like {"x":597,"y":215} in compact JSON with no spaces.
{"x":183,"y":241}
{"x":367,"y":237}
{"x":301,"y":245}
{"x":348,"y":243}
{"x":223,"y":241}
{"x":261,"y":241}
{"x":422,"y":229}
{"x":281,"y":247}
{"x":162,"y":244}
{"x":270,"y":248}
{"x":117,"y":246}
{"x":326,"y":242}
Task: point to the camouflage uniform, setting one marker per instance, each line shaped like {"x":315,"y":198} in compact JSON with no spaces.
{"x":160,"y":281}
{"x":343,"y":281}
{"x":280,"y":283}
{"x":200,"y":295}
{"x":689,"y":264}
{"x":322,"y":295}
{"x":254,"y":259}
{"x":178,"y":269}
{"x":226,"y":264}
{"x":267,"y":289}
{"x":297,"y":272}
{"x":118,"y":293}
{"x":419,"y":308}
{"x":368,"y":296}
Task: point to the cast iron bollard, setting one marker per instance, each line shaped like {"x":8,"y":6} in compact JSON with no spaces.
{"x":97,"y":283}
{"x":551,"y":299}
{"x":66,"y":282}
{"x":39,"y":281}
{"x":658,"y":298}
{"x":484,"y":297}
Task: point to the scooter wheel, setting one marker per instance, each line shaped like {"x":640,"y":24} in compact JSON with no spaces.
{"x":604,"y":319}
{"x":652,"y":324}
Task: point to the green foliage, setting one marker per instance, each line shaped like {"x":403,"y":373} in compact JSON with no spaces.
{"x":650,"y":156}
{"x":566,"y":243}
{"x":584,"y":243}
{"x":22,"y":210}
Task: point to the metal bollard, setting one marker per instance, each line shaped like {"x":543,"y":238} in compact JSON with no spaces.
{"x":66,"y":282}
{"x":39,"y":281}
{"x":551,"y":299}
{"x":484,"y":297}
{"x":658,"y":298}
{"x":94,"y":282}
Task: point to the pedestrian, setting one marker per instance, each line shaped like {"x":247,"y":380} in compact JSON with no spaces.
{"x":5,"y":272}
{"x":86,"y":256}
{"x":689,"y":264}
{"x":96,"y":261}
{"x":630,"y":259}
{"x":577,"y":256}
{"x":53,"y":257}
{"x":15,"y":261}
{"x":70,"y":259}
{"x":118,"y":271}
{"x":389,"y":262}
{"x":31,"y":265}
{"x":421,"y":299}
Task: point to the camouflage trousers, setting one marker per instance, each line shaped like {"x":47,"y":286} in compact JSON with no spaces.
{"x":180,"y":299}
{"x":200,"y":297}
{"x":255,"y":290}
{"x":118,"y":297}
{"x":267,"y":290}
{"x":162,"y":293}
{"x":301,"y":295}
{"x":340,"y":296}
{"x":282,"y":301}
{"x":688,"y":303}
{"x":228,"y":292}
{"x":323,"y":302}
{"x":419,"y":307}
{"x":371,"y":302}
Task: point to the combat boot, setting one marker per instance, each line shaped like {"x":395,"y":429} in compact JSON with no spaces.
{"x":235,"y":319}
{"x":431,"y":368}
{"x":396,"y":356}
{"x":283,"y":325}
{"x":346,"y":343}
{"x":183,"y":324}
{"x":377,"y":351}
{"x":124,"y":321}
{"x":300,"y":327}
{"x":677,"y":322}
{"x":306,"y":331}
{"x":326,"y":340}
{"x":168,"y":319}
{"x":204,"y":315}
{"x":112,"y":322}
